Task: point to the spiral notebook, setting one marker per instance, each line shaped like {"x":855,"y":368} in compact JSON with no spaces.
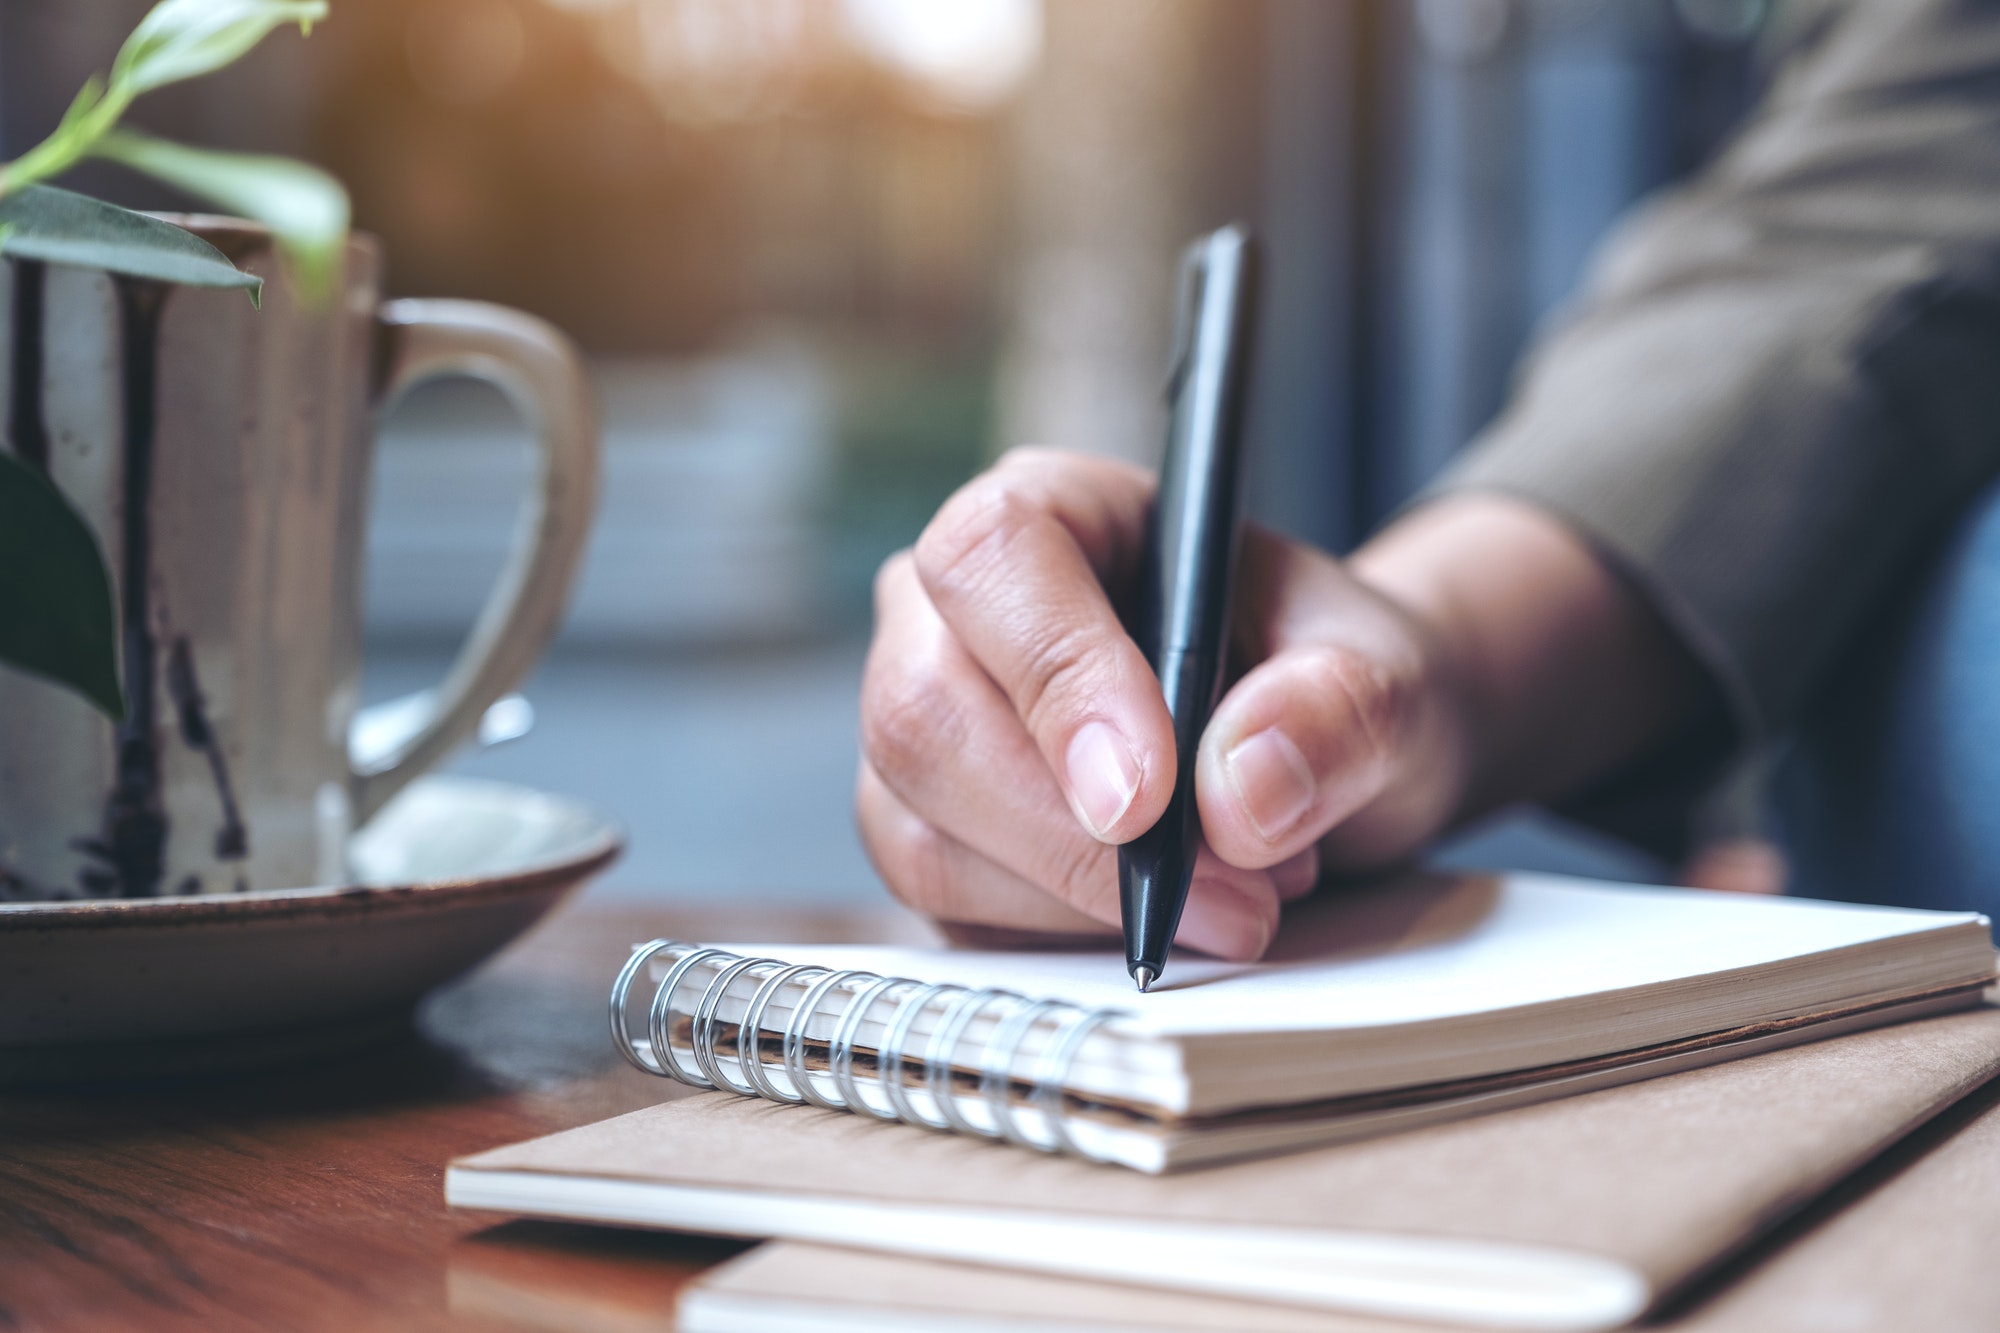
{"x":1382,"y":1008}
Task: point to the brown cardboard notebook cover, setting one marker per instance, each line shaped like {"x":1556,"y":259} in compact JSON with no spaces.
{"x":1913,"y":1252}
{"x":1580,"y":1213}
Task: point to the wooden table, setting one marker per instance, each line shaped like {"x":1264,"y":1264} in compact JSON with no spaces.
{"x":313,"y":1198}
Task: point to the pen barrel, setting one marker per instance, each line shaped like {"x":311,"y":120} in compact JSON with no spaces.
{"x":1196,"y":531}
{"x":1154,"y":869}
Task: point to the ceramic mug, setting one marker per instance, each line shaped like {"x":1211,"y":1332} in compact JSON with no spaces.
{"x":221,"y":454}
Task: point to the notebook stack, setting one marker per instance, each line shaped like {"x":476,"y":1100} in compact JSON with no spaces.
{"x":1491,"y":1101}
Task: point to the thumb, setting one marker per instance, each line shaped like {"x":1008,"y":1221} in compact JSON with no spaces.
{"x":1310,"y":737}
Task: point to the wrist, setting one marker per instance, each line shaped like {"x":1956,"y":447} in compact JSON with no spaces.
{"x":1557,"y":668}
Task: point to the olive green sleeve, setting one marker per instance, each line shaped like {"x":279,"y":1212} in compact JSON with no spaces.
{"x":1782,"y":381}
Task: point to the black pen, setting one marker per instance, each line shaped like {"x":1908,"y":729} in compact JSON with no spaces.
{"x":1182,"y":619}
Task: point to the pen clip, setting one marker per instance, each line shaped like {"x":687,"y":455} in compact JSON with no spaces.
{"x":1187,"y":296}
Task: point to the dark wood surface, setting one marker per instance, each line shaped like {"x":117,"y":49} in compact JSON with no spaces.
{"x":313,"y":1197}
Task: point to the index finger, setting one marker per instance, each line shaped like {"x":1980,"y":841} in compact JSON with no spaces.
{"x":1017,"y":563}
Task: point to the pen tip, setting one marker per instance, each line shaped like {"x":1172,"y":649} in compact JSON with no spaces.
{"x":1145,"y":977}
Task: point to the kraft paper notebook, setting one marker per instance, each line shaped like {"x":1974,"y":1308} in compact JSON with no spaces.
{"x":1579,"y":1213}
{"x":1910,"y":1251}
{"x":1911,"y":1248}
{"x":1380,"y":1009}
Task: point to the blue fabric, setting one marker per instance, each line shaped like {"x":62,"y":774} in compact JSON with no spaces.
{"x":1892,"y":792}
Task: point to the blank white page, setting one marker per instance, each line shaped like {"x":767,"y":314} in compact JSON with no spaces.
{"x":1431,"y":947}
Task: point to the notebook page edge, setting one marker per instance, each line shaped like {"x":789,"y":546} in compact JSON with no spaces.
{"x":1497,"y":1040}
{"x":1495,"y":1284}
{"x":702,"y":1311}
{"x":830,"y":1290}
{"x":1211,"y":1146}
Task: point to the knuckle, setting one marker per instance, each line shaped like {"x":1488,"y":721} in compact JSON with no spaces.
{"x":1055,"y":669}
{"x":1378,"y":697}
{"x":907,"y":715}
{"x":969,"y":536}
{"x":965,"y":550}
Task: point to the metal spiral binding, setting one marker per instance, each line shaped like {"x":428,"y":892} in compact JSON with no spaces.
{"x":792,"y":1080}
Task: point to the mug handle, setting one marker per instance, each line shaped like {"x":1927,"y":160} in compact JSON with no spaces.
{"x":540,"y":371}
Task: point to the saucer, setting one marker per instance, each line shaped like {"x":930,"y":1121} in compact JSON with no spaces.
{"x":450,"y":871}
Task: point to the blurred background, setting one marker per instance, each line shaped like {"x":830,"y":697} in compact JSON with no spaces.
{"x":829,"y":256}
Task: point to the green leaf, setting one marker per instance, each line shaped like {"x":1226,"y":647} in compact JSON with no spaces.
{"x":305,"y":208}
{"x":60,"y":622}
{"x":184,"y":39}
{"x":91,"y":113}
{"x":58,"y":227}
{"x":87,"y":100}
{"x":178,"y":39}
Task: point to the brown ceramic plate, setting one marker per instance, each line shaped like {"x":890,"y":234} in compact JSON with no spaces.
{"x":448,"y":873}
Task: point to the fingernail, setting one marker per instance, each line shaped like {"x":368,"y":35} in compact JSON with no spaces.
{"x":1218,"y":920}
{"x":1103,"y":776}
{"x":1272,"y":780}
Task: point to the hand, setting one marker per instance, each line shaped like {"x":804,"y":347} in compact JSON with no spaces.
{"x":1013,"y":734}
